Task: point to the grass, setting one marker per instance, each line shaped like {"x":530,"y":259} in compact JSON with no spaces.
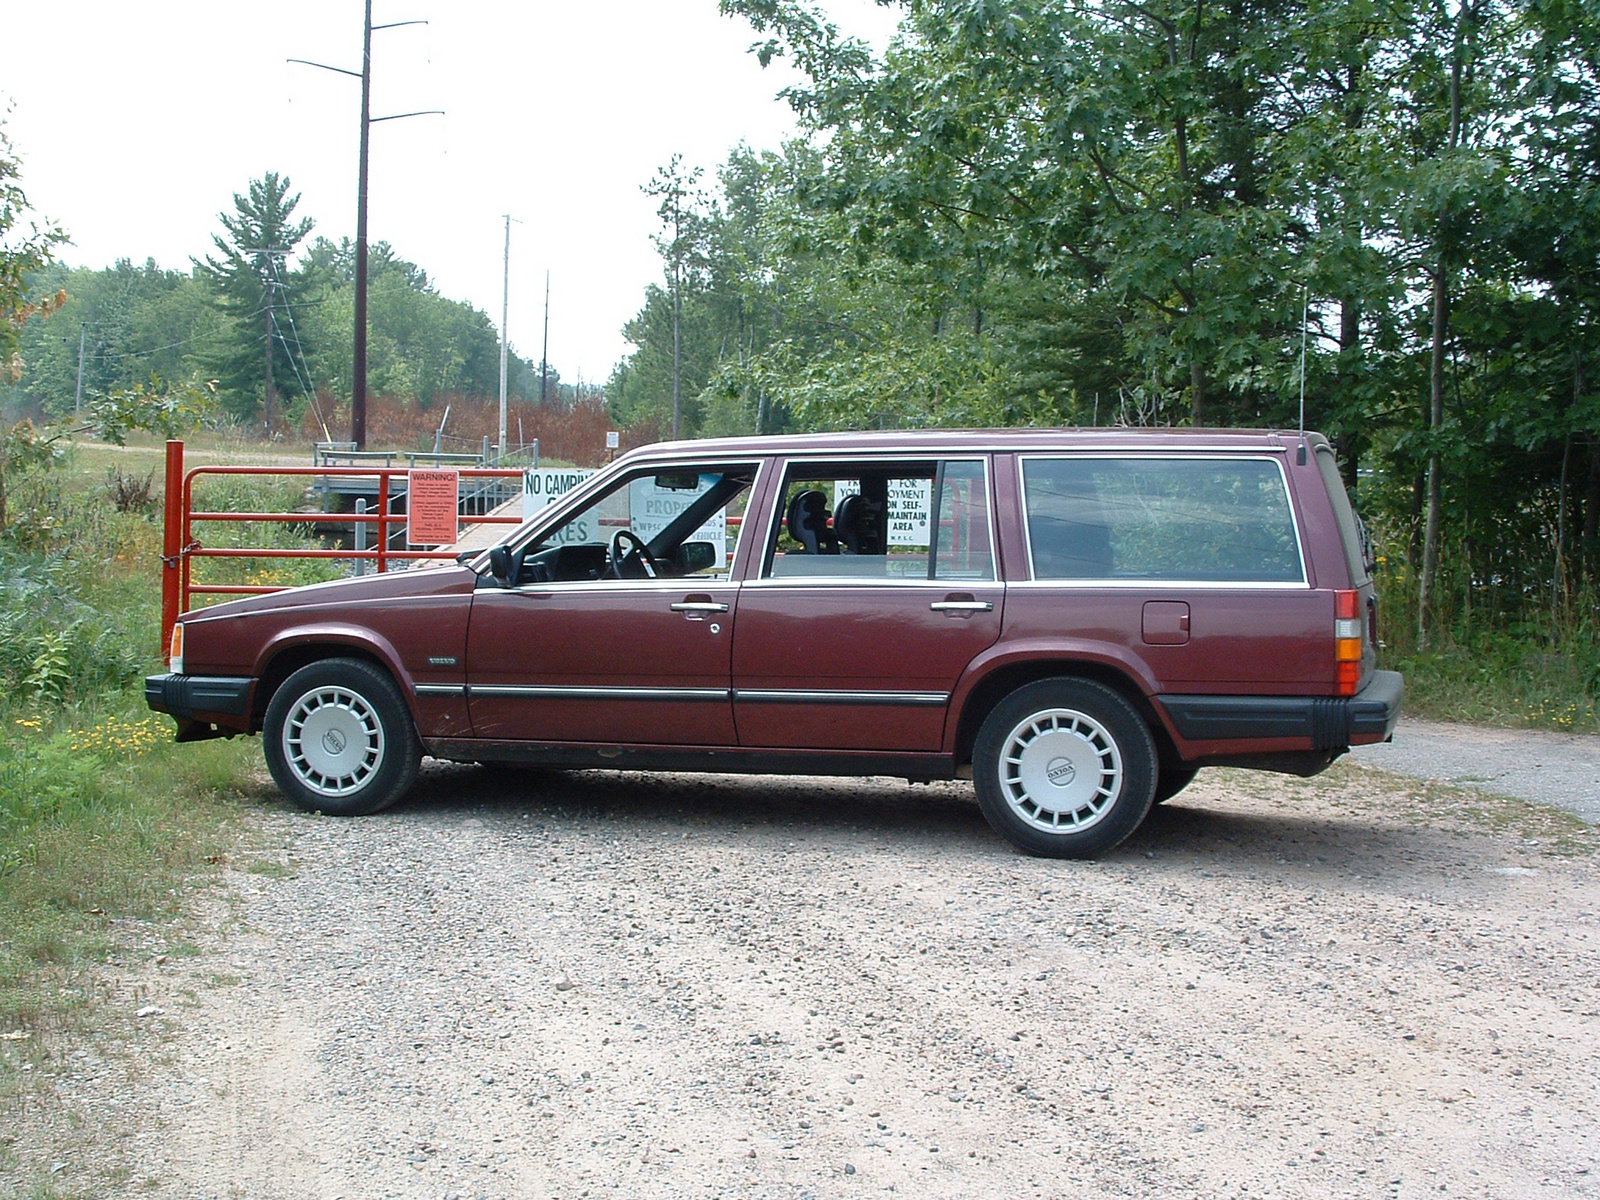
{"x":109,"y":832}
{"x":1496,"y":679}
{"x":104,"y":822}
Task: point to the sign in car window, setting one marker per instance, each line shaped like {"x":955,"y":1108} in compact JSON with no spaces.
{"x":651,"y":509}
{"x":910,"y":508}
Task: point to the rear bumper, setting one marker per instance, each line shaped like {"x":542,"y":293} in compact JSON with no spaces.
{"x":206,"y":697}
{"x":1331,"y":723}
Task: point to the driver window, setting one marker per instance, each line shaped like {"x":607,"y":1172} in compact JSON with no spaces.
{"x":673,"y":523}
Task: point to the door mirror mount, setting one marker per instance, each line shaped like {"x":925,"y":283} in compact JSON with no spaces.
{"x":503,"y":565}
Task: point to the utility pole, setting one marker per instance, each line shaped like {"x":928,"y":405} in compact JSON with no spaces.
{"x":77,"y":400}
{"x":358,"y":371}
{"x":268,"y":414}
{"x":544,"y":354}
{"x":358,"y":365}
{"x":505,"y":318}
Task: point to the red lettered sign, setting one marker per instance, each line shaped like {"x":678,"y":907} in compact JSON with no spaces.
{"x":431,"y":507}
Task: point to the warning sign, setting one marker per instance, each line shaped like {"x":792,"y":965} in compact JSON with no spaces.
{"x":432,"y":512}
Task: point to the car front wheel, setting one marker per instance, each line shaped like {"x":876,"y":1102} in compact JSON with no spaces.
{"x":1064,"y":768}
{"x":340,"y":740}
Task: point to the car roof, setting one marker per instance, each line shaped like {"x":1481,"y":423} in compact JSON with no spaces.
{"x":970,"y":441}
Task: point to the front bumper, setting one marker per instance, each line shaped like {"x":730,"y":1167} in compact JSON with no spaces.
{"x":199,"y":697}
{"x":1332,"y":723}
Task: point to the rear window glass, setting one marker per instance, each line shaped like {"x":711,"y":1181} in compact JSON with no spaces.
{"x":1172,"y":519}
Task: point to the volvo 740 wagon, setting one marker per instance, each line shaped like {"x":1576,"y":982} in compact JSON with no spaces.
{"x":1078,"y":620}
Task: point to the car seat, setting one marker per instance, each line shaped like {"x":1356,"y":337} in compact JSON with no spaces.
{"x":858,"y":525}
{"x":808,"y":523}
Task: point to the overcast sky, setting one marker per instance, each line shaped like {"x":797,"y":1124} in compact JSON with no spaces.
{"x":136,"y":123}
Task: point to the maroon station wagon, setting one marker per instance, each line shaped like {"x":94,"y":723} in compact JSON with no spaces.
{"x":1077,"y":620}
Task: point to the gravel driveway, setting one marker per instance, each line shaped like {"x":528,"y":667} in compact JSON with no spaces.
{"x":1553,"y":768}
{"x":547,"y":985}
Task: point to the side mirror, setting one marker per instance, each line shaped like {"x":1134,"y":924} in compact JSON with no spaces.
{"x":503,"y":566}
{"x":695,"y":556}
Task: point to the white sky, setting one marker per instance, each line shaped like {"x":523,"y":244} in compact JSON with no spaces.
{"x":136,"y":123}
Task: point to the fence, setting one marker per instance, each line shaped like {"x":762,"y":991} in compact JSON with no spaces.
{"x":180,"y":547}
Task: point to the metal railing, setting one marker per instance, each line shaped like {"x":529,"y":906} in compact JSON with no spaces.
{"x":180,"y":547}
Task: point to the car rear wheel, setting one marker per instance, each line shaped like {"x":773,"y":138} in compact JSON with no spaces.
{"x":340,"y":740}
{"x":1064,"y":768}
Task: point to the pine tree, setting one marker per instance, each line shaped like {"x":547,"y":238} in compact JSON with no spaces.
{"x":262,"y":358}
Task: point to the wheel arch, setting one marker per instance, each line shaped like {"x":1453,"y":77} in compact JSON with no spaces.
{"x":284,"y":659}
{"x":995,"y":685}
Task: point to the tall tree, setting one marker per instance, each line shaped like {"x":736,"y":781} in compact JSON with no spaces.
{"x":251,"y":282}
{"x":681,"y":243}
{"x":22,"y":251}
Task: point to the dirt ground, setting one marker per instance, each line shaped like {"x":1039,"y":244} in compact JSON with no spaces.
{"x":527,"y":984}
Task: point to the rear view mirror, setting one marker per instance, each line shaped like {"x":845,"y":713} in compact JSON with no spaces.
{"x":678,"y":481}
{"x":695,"y":556}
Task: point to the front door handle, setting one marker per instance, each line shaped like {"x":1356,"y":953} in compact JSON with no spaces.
{"x":962,"y":606}
{"x":699,"y":606}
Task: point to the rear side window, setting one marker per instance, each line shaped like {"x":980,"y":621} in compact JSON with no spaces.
{"x":1181,"y":520}
{"x":1344,"y":516}
{"x":883,"y":522}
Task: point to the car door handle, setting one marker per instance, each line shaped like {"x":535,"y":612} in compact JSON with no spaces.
{"x":699,"y":606}
{"x":961,"y":606}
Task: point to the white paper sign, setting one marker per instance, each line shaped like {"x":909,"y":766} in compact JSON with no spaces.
{"x":910,"y":508}
{"x":541,"y":485}
{"x":651,"y":509}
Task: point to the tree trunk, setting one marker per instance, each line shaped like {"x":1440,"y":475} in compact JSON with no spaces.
{"x":1591,"y":507}
{"x":1349,"y":354}
{"x":1197,"y":393}
{"x":1435,"y":495}
{"x":1558,"y":581}
{"x":1441,"y":326}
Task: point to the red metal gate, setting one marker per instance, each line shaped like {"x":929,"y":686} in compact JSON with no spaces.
{"x":180,"y":547}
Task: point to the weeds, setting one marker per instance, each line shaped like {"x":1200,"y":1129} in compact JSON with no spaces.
{"x":103,"y":821}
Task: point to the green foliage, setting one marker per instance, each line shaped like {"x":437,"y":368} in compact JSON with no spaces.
{"x":140,"y":323}
{"x":102,"y":817}
{"x":22,"y":251}
{"x":1169,"y":213}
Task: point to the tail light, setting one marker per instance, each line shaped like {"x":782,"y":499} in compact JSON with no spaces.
{"x":1347,"y":642}
{"x":175,"y":650}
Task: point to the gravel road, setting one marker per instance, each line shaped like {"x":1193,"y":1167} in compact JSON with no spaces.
{"x":527,"y":984}
{"x":1553,"y":768}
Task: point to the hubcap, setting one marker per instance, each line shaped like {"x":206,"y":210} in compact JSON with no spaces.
{"x":333,"y":741}
{"x":1060,"y":770}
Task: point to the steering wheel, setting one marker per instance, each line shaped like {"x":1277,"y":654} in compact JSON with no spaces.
{"x":616,"y":555}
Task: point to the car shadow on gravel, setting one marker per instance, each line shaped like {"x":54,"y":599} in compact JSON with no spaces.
{"x":731,"y":803}
{"x":1203,"y":830}
{"x":1199,"y":829}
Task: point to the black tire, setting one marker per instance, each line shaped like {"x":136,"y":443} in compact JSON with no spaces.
{"x":1064,"y":768}
{"x":1171,"y":781}
{"x":340,"y":740}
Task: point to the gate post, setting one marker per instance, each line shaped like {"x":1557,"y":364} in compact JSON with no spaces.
{"x":171,"y":543}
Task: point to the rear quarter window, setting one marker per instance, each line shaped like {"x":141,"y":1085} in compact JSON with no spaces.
{"x":1190,"y":519}
{"x":1344,"y":515}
